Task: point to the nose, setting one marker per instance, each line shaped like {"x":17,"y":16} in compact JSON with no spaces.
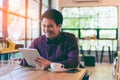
{"x":46,"y":29}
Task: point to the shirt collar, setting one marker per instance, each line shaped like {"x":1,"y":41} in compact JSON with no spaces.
{"x":54,"y":40}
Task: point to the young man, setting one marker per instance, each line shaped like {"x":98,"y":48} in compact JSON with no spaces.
{"x":54,"y":45}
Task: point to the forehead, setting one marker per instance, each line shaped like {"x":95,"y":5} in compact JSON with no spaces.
{"x":48,"y":21}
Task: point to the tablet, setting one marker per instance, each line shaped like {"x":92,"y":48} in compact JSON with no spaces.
{"x":29,"y":54}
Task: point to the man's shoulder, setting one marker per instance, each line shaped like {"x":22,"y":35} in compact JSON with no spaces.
{"x":67,"y":34}
{"x":40,"y":38}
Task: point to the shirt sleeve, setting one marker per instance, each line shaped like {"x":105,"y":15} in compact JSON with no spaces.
{"x":73,"y":55}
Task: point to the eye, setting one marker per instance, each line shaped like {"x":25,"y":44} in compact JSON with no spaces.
{"x":43,"y":26}
{"x":50,"y":26}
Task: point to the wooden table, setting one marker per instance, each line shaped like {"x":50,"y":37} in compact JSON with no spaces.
{"x":25,"y":73}
{"x":8,"y":53}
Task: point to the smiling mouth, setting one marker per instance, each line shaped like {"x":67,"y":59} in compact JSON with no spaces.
{"x":48,"y":34}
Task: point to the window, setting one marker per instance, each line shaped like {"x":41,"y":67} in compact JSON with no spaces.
{"x":16,"y":6}
{"x":0,"y":23}
{"x":88,"y":34}
{"x":0,"y":3}
{"x":33,"y":9}
{"x":17,"y":20}
{"x":16,"y":27}
{"x":92,"y":25}
{"x":108,"y":34}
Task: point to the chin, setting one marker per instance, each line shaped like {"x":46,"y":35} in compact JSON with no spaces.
{"x":50,"y":36}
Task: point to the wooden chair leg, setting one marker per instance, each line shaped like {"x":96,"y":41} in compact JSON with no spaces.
{"x":102,"y":54}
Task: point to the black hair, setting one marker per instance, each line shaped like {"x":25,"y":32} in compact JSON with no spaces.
{"x":54,"y":15}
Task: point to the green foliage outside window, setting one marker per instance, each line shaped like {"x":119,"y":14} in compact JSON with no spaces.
{"x":88,"y":23}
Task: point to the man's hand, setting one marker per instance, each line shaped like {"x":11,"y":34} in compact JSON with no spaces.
{"x":42,"y":63}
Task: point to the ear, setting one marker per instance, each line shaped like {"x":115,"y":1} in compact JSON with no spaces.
{"x":60,"y":25}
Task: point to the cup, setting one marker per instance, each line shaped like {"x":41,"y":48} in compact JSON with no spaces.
{"x":56,"y":66}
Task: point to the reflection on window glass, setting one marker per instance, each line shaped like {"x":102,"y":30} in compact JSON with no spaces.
{"x":1,"y":1}
{"x":108,"y":34}
{"x":33,"y":28}
{"x":91,"y":17}
{"x":107,"y":22}
{"x":21,"y":20}
{"x":108,"y":16}
{"x":114,"y":43}
{"x":44,"y":9}
{"x":93,"y":23}
{"x":33,"y":9}
{"x":89,"y":12}
{"x":71,"y":23}
{"x":70,"y":12}
{"x":85,"y":44}
{"x":105,"y":43}
{"x":0,"y":23}
{"x":88,"y":34}
{"x":45,"y":5}
{"x":16,"y":28}
{"x":110,"y":11}
{"x":32,"y":31}
{"x":88,"y":44}
{"x":89,"y":23}
{"x":17,"y":6}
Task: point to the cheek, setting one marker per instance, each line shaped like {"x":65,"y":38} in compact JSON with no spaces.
{"x":43,"y":29}
{"x":50,"y":30}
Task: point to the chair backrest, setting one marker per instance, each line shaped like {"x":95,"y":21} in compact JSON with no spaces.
{"x":11,"y":44}
{"x":3,"y":43}
{"x":7,"y":44}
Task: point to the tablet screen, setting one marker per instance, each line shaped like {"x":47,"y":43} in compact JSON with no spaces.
{"x":29,"y":54}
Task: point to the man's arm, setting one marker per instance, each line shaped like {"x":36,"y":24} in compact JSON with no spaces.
{"x":72,"y":61}
{"x":73,"y":54}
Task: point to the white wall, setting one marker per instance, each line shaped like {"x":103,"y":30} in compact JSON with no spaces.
{"x":63,"y":3}
{"x":73,"y":3}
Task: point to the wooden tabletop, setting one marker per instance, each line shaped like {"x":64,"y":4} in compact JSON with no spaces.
{"x":8,"y":51}
{"x":25,"y":73}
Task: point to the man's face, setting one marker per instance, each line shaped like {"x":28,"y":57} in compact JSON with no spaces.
{"x":50,"y":28}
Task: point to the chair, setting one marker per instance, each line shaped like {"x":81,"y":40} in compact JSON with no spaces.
{"x":96,"y":52}
{"x":109,"y":53}
{"x":3,"y":45}
{"x":7,"y":47}
{"x":82,"y":52}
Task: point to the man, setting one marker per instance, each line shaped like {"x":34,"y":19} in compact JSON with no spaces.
{"x":54,"y":45}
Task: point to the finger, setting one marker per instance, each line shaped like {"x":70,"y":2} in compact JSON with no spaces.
{"x":43,"y":60}
{"x":39,"y":64}
{"x":38,"y":61}
{"x":39,"y":58}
